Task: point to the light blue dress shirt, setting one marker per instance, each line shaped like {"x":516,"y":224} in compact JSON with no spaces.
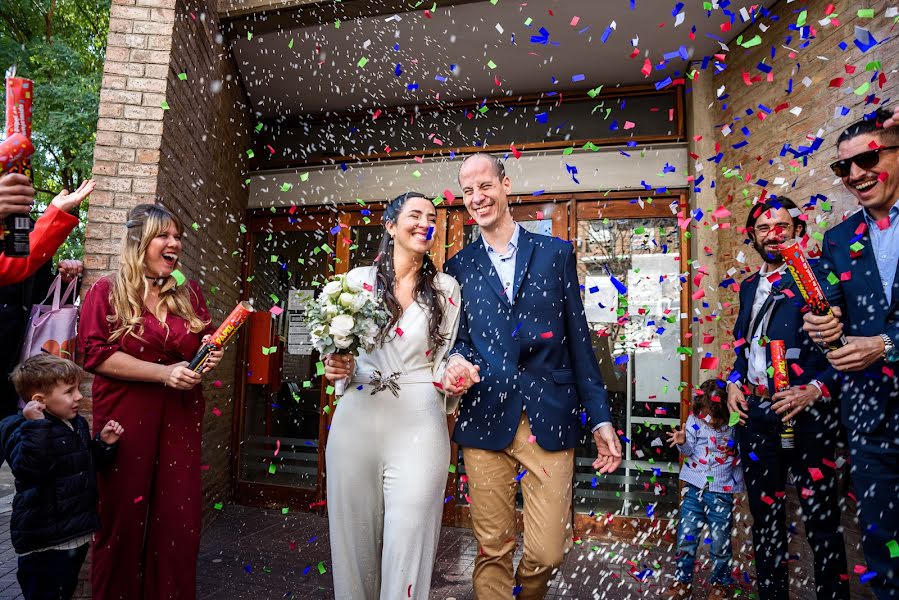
{"x":504,"y":263}
{"x":711,"y":458}
{"x":885,"y":244}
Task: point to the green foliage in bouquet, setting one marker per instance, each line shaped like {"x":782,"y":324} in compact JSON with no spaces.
{"x":345,"y":318}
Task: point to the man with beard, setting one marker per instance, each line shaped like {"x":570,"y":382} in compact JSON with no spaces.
{"x":857,"y":271}
{"x":771,"y":309}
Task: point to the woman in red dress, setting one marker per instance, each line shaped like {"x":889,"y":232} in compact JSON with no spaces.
{"x":138,"y":329}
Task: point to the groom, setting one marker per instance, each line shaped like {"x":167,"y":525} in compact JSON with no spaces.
{"x":524,"y":360}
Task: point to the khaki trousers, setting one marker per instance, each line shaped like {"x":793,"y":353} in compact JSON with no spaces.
{"x":546,"y":489}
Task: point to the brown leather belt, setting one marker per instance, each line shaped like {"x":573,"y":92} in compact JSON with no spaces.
{"x":760,"y":391}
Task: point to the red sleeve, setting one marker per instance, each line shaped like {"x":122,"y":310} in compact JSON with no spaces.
{"x":93,"y":327}
{"x":199,"y":304}
{"x":50,"y":231}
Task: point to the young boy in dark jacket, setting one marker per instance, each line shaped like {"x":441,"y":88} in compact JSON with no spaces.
{"x":49,"y":448}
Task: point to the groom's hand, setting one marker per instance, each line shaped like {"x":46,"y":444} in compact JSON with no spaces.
{"x":459,"y":376}
{"x":608,"y":449}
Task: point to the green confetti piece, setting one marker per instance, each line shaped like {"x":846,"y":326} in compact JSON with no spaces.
{"x":567,"y":151}
{"x":285,"y":510}
{"x":274,"y":298}
{"x":307,"y":385}
{"x":873,"y":66}
{"x":321,"y":568}
{"x":857,"y":247}
{"x":164,"y":105}
{"x":863,"y":89}
{"x":337,"y":24}
{"x":832,"y":279}
{"x":757,"y":40}
{"x":243,"y":228}
{"x":329,"y":390}
{"x":250,"y":153}
{"x":273,"y":258}
{"x":195,"y":226}
{"x":179,"y":277}
{"x":893,"y":547}
{"x":800,"y":20}
{"x":258,"y":127}
{"x":213,"y":290}
{"x":528,"y":22}
{"x":327,"y":248}
{"x":734,"y":419}
{"x":818,"y":236}
{"x":304,"y":176}
{"x":286,"y":187}
{"x":594,"y":92}
{"x":327,"y":410}
{"x":320,"y":368}
{"x":866,"y":13}
{"x":218,"y":506}
{"x":362,"y":62}
{"x":272,"y":469}
{"x":290,"y":44}
{"x":182,"y":76}
{"x":491,"y":64}
{"x":416,"y":173}
{"x":249,"y":35}
{"x":706,"y":6}
{"x":452,"y":468}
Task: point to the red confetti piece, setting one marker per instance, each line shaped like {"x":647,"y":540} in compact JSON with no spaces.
{"x":767,"y":499}
{"x":204,"y":467}
{"x":368,"y":287}
{"x":138,"y":499}
{"x":216,"y":411}
{"x":836,"y":82}
{"x":828,"y":463}
{"x":846,"y":276}
{"x":546,"y":335}
{"x":516,"y":153}
{"x":850,"y":69}
{"x":647,"y":68}
{"x":859,"y":569}
{"x":217,"y":383}
{"x":450,"y":198}
{"x":816,"y":473}
{"x":399,"y":331}
{"x":806,"y":493}
{"x":881,"y":177}
{"x":277,"y":447}
{"x":709,"y":363}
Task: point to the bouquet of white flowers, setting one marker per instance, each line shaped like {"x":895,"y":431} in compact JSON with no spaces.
{"x":345,"y":319}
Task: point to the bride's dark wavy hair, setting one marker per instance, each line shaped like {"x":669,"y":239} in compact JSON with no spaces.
{"x":425,"y":291}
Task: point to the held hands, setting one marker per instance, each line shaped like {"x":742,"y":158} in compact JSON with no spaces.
{"x":339,"y":366}
{"x":179,"y":376}
{"x":794,"y":400}
{"x":736,"y":402}
{"x":67,"y":202}
{"x":111,"y":433}
{"x":459,"y":376}
{"x":214,"y":358}
{"x":608,"y":449}
{"x":16,"y":195}
{"x":677,"y":437}
{"x":34,"y":410}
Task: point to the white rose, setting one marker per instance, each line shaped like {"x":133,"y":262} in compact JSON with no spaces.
{"x":347,"y":299}
{"x":372,"y":330}
{"x":342,"y":326}
{"x":330,"y":310}
{"x":333,"y":288}
{"x":341,"y":341}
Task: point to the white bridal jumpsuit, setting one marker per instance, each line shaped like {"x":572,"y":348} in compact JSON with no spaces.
{"x":387,"y":458}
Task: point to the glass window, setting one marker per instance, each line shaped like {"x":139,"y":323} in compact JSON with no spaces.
{"x":281,"y":420}
{"x":629,"y":270}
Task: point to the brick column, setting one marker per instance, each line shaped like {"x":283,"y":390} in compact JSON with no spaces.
{"x":129,"y":131}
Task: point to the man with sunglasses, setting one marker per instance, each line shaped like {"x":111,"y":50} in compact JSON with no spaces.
{"x":857,"y":270}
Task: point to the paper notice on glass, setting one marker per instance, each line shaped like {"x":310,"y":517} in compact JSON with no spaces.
{"x":600,"y":300}
{"x":298,"y":338}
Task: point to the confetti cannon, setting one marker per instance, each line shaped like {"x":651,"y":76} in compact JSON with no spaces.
{"x":222,"y":335}
{"x":782,"y":382}
{"x":808,"y":285}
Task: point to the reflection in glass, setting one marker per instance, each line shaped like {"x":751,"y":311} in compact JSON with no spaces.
{"x":630,"y":272}
{"x":281,"y":422}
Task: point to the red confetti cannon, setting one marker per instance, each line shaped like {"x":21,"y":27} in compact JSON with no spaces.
{"x":19,"y":98}
{"x":222,"y":335}
{"x":13,"y":151}
{"x":782,"y":382}
{"x":808,"y":285}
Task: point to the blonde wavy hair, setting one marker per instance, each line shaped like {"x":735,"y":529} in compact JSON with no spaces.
{"x":130,"y":286}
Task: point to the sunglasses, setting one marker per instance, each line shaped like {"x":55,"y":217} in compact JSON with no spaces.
{"x":865,"y":160}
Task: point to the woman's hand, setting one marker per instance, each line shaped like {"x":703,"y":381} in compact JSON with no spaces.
{"x":214,"y":358}
{"x":793,"y":400}
{"x":180,"y":377}
{"x":339,"y":366}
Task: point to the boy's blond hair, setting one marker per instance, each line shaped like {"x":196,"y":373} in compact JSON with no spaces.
{"x":40,"y":374}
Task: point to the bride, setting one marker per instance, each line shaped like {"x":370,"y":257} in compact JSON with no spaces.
{"x":388,"y":448}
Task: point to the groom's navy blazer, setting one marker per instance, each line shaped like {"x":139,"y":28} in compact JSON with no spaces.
{"x":851,"y":281}
{"x":535,"y":353}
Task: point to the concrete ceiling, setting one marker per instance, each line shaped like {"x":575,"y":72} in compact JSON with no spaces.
{"x":291,"y":68}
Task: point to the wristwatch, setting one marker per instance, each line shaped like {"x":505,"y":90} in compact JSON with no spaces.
{"x":890,"y":352}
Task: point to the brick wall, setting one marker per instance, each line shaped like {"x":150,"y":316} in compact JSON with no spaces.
{"x":189,"y":157}
{"x":740,"y":169}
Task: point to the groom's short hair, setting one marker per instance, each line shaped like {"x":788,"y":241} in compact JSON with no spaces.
{"x":499,"y":169}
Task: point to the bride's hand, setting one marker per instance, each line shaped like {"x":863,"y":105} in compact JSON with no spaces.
{"x":339,"y":366}
{"x":459,"y":376}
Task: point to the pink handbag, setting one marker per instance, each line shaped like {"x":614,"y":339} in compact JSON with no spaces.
{"x":51,"y":327}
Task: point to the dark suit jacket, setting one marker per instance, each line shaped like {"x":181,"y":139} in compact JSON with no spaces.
{"x":535,"y":354}
{"x":785,"y":324}
{"x":867,"y":396}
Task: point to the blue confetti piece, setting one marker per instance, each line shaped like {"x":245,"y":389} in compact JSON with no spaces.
{"x":542,"y":117}
{"x":677,"y":8}
{"x":520,"y":475}
{"x":440,"y":78}
{"x":606,"y":34}
{"x":398,"y":70}
{"x":576,"y":78}
{"x":663,"y":84}
{"x":430,"y":232}
{"x":412,"y":86}
{"x":753,"y":456}
{"x":516,"y":590}
{"x":622,"y":289}
{"x":248,"y":568}
{"x":621,"y":359}
{"x":335,"y":230}
{"x":868,"y":576}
